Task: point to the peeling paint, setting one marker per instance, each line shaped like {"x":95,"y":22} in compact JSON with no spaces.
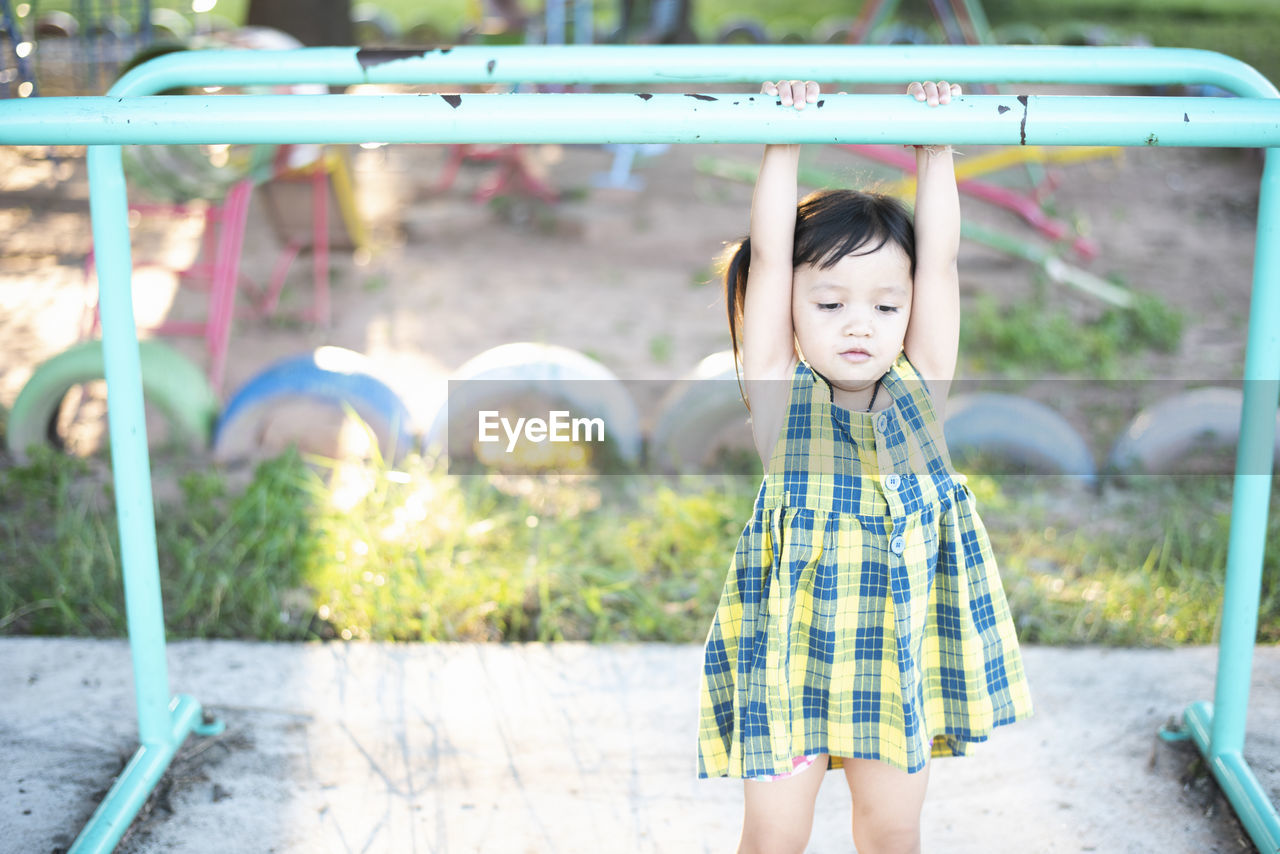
{"x":490,"y":65}
{"x":452,"y":100}
{"x":1026,"y":108}
{"x":821,"y":102}
{"x":369,"y":57}
{"x":1185,"y":117}
{"x":1002,"y":109}
{"x":643,"y":96}
{"x":1153,"y":140}
{"x":702,"y":97}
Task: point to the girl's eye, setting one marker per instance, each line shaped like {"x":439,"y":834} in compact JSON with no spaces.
{"x":828,"y":306}
{"x":887,"y":309}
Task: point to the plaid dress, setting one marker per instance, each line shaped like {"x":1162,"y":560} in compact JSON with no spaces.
{"x":863,"y":614}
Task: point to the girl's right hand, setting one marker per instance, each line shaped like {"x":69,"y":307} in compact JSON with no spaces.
{"x":792,"y":92}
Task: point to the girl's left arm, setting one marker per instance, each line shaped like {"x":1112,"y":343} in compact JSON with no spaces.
{"x":933,"y":334}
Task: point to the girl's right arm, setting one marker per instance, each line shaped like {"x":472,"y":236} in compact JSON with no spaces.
{"x":768,"y":343}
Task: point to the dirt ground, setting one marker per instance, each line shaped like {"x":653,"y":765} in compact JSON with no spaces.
{"x":626,"y":276}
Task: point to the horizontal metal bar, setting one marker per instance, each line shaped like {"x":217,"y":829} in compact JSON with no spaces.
{"x":618,"y":64}
{"x":591,"y":118}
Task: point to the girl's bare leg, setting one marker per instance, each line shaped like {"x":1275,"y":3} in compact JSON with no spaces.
{"x":886,"y":806}
{"x":778,"y":815}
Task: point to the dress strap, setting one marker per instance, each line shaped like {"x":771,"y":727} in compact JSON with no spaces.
{"x":914,"y":402}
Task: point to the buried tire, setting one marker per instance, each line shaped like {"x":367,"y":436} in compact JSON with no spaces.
{"x":534,"y":380}
{"x":702,"y":424}
{"x":306,"y":400}
{"x":1024,"y":432}
{"x":1183,"y":433}
{"x":170,"y":382}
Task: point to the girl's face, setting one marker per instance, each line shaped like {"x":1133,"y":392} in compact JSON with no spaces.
{"x":851,"y":318}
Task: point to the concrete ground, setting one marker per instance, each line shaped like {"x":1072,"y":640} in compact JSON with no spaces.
{"x":574,"y":748}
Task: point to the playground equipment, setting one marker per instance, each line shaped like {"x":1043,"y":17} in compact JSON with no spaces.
{"x":701,"y":414}
{"x":963,"y":21}
{"x":1252,"y":120}
{"x":170,"y":381}
{"x":1057,"y":269}
{"x":20,"y":49}
{"x":325,"y":382}
{"x":505,"y":22}
{"x":1018,"y":429}
{"x":96,"y":39}
{"x":225,"y":179}
{"x":969,"y":183}
{"x":1160,"y":437}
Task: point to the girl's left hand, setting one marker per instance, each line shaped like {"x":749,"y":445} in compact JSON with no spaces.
{"x":934,"y":93}
{"x":795,"y":93}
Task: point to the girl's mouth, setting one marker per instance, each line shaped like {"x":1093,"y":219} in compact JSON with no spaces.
{"x":855,"y":355}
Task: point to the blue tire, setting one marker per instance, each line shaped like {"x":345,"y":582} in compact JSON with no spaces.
{"x":331,"y":377}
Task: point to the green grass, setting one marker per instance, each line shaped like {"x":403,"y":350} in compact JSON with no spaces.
{"x":1040,"y":334}
{"x":230,"y":562}
{"x":1146,"y":570}
{"x":323,"y":550}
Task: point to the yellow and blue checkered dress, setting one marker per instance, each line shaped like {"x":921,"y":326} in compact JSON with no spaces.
{"x":863,"y":614}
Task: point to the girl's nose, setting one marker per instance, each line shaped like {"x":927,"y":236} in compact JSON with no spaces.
{"x":857,"y":322}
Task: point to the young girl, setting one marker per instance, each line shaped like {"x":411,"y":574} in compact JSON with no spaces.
{"x":862,"y":625}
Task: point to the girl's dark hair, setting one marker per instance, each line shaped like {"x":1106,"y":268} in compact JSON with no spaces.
{"x":830,"y":224}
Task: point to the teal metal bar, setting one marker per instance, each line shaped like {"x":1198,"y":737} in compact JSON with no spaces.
{"x":1251,"y":495}
{"x":678,"y":64}
{"x":126,"y":796}
{"x":745,"y":118}
{"x":129,"y":451}
{"x":1237,"y":780}
{"x":1251,"y":122}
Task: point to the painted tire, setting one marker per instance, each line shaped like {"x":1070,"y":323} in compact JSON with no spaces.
{"x":372,"y":26}
{"x":550,"y":373}
{"x":1162,"y":435}
{"x":1081,"y":33}
{"x":424,"y":33}
{"x":56,"y":25}
{"x":833,"y":30}
{"x":701,"y":414}
{"x":170,"y":381}
{"x":742,"y":32}
{"x":1017,"y":429}
{"x":329,"y":378}
{"x":168,"y":25}
{"x":895,"y":33}
{"x":1019,"y":34}
{"x":109,"y":28}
